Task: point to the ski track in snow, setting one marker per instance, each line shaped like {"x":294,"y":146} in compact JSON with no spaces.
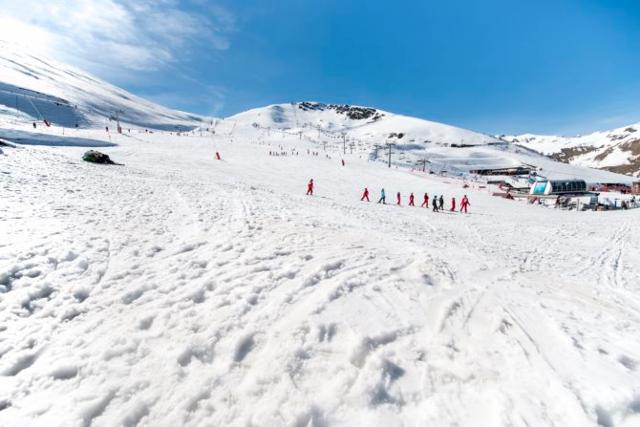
{"x":182,"y":291}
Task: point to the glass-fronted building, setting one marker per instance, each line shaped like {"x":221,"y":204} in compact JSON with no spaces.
{"x":553,"y":187}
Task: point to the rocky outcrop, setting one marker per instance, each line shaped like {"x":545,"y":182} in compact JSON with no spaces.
{"x":352,"y":112}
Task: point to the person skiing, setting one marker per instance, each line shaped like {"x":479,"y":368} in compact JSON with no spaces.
{"x":411,"y":200}
{"x":365,"y":195}
{"x":399,"y":199}
{"x":425,"y":202}
{"x":310,"y":187}
{"x":342,"y":162}
{"x":464,"y":204}
{"x":453,"y":204}
{"x":434,"y":203}
{"x":441,"y":203}
{"x":217,"y":156}
{"x":383,"y":197}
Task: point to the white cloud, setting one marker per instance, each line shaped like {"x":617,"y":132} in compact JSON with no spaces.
{"x":115,"y":37}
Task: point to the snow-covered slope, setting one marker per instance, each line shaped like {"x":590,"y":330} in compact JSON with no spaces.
{"x":180,"y":290}
{"x":616,"y":150}
{"x":40,"y":88}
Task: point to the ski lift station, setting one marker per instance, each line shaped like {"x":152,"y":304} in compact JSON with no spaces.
{"x":558,"y":187}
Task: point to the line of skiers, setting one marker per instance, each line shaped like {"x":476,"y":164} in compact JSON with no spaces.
{"x":437,"y":203}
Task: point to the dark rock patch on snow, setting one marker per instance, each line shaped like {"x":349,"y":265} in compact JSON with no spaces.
{"x":93,"y":156}
{"x":352,"y":112}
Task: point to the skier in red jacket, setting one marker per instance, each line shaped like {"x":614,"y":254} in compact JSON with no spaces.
{"x":365,"y":195}
{"x":425,"y":202}
{"x":464,"y":204}
{"x":398,"y":198}
{"x":310,"y":187}
{"x":453,"y":204}
{"x":411,"y":200}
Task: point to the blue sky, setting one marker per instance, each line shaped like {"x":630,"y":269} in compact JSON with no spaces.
{"x":497,"y":66}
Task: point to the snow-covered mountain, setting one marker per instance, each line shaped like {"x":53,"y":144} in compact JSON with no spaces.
{"x":417,"y":143}
{"x":617,"y":150}
{"x":37,"y":88}
{"x":360,"y":123}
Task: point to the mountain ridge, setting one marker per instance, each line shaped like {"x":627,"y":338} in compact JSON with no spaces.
{"x":616,"y":150}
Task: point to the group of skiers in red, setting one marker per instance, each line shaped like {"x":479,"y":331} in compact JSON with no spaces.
{"x":437,"y":202}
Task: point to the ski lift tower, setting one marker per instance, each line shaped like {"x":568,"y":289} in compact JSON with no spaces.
{"x":389,"y":145}
{"x":424,"y":162}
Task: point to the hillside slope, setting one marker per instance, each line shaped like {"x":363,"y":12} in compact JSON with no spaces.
{"x":360,"y":123}
{"x":37,"y":88}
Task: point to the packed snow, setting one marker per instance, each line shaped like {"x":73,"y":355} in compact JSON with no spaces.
{"x":183,"y":290}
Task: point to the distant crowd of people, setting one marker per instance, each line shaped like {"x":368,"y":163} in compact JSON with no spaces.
{"x":437,"y":202}
{"x":294,"y":152}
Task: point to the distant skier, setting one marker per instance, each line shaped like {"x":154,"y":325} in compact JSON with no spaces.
{"x":411,"y":200}
{"x":310,"y":187}
{"x":34,"y":125}
{"x":383,"y":197}
{"x":441,"y":203}
{"x":398,"y":199}
{"x":434,"y":203}
{"x":464,"y":204}
{"x":453,"y":204}
{"x":106,"y":128}
{"x":342,"y":162}
{"x":365,"y":195}
{"x":425,"y":202}
{"x":218,"y":156}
